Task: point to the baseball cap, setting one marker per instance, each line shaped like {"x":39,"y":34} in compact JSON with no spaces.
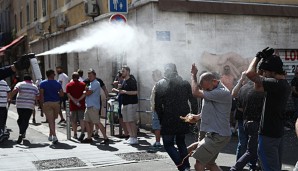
{"x":272,"y":63}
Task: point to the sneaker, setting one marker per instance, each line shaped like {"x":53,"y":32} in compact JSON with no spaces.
{"x":81,"y":137}
{"x":128,"y":140}
{"x":75,"y":136}
{"x":20,"y":139}
{"x":55,"y":139}
{"x":157,"y":145}
{"x":33,"y":121}
{"x":62,"y":121}
{"x":50,"y":138}
{"x":105,"y":141}
{"x":87,"y":141}
{"x":133,"y":141}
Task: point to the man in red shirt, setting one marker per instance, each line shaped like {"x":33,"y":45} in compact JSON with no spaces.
{"x":74,"y":90}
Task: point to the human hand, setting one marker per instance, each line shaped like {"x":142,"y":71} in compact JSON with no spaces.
{"x":194,"y":69}
{"x":265,"y":53}
{"x":122,"y":91}
{"x":190,"y":118}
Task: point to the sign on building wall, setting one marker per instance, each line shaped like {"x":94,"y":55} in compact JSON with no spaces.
{"x":290,"y":60}
{"x":163,"y":35}
{"x":118,"y":6}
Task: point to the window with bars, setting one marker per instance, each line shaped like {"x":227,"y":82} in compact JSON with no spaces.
{"x":28,"y":13}
{"x":35,"y":9}
{"x":44,"y":8}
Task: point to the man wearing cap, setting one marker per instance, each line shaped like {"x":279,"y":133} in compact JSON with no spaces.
{"x":91,"y":116}
{"x":277,"y":92}
{"x":172,"y":98}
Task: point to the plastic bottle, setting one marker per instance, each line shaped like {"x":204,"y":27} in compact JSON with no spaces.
{"x":35,"y":67}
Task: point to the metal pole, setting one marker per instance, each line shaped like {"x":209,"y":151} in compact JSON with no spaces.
{"x":68,"y":132}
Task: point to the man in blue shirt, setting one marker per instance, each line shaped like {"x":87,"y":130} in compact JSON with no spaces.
{"x":50,"y":93}
{"x":91,"y":116}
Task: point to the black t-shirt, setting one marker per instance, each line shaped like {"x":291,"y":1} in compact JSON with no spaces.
{"x":87,"y":82}
{"x":294,"y":83}
{"x":276,"y":96}
{"x":253,"y":102}
{"x":129,"y":85}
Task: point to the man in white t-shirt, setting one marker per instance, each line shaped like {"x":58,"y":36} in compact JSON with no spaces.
{"x":63,"y":80}
{"x":28,"y":93}
{"x":4,"y":89}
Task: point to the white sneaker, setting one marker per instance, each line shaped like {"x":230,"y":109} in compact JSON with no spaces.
{"x":55,"y":139}
{"x":134,"y":141}
{"x":50,"y":138}
{"x":128,"y":140}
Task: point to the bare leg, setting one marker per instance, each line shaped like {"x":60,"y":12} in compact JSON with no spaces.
{"x":199,"y":166}
{"x":157,"y":135}
{"x":102,"y":130}
{"x":213,"y":167}
{"x":82,"y":125}
{"x":51,"y":121}
{"x":128,"y":128}
{"x":123,"y":125}
{"x":133,"y":128}
{"x":89,"y":129}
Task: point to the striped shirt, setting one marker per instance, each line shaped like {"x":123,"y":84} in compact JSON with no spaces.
{"x":27,"y":93}
{"x":4,"y":89}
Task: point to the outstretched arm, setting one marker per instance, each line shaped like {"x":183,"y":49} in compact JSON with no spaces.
{"x":196,"y":92}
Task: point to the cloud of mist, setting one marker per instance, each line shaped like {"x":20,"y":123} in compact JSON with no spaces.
{"x":113,"y":38}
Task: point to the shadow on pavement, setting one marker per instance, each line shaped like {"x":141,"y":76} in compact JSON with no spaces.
{"x":60,"y":145}
{"x":35,"y":124}
{"x":105,"y":147}
{"x":32,"y":145}
{"x":225,"y":168}
{"x":8,"y":144}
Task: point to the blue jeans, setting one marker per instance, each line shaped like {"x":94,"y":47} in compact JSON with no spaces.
{"x":270,"y":153}
{"x":251,"y":129}
{"x":242,"y":140}
{"x":176,"y":155}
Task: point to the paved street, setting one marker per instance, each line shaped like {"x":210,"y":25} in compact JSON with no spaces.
{"x":37,"y":153}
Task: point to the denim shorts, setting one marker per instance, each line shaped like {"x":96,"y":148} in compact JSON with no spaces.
{"x":155,"y":121}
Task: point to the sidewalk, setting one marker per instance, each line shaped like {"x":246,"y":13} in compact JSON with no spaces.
{"x":37,"y":153}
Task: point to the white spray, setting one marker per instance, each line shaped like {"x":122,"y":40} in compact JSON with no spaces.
{"x":114,"y":38}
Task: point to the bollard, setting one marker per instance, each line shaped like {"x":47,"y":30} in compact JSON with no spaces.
{"x":68,"y":132}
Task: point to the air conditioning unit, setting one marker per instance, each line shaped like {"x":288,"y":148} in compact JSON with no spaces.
{"x":38,"y":28}
{"x":91,"y":8}
{"x":61,"y":21}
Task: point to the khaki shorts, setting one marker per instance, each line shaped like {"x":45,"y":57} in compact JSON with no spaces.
{"x":51,"y":109}
{"x":209,"y":147}
{"x":129,"y":112}
{"x":91,"y":115}
{"x":78,"y":114}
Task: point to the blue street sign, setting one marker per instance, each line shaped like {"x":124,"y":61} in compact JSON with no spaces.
{"x":118,"y":6}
